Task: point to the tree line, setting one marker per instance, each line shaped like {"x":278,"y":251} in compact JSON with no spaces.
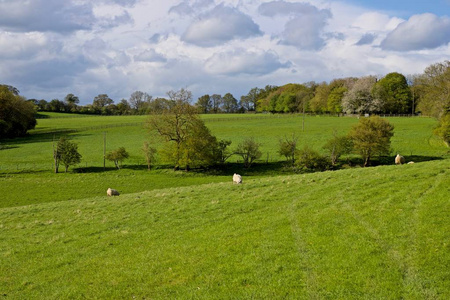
{"x":427,"y":93}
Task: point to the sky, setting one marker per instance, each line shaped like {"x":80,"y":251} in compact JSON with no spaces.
{"x":50,"y":48}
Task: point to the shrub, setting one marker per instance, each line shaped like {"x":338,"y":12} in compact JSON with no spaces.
{"x":310,"y":160}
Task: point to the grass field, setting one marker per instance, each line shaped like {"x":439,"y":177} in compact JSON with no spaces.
{"x":373,"y":233}
{"x":26,"y":164}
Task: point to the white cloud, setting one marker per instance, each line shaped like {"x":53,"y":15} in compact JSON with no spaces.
{"x":241,"y":61}
{"x":425,"y":31}
{"x":45,"y":15}
{"x":220,"y":25}
{"x":150,"y":55}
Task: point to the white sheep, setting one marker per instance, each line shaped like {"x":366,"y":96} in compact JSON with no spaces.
{"x":399,"y":160}
{"x":237,"y":178}
{"x":112,"y":192}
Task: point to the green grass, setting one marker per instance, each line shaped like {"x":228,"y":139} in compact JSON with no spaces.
{"x":26,"y":164}
{"x":374,"y":233}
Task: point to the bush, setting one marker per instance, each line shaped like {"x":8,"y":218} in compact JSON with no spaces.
{"x":117,"y":156}
{"x":443,"y":130}
{"x":249,"y":151}
{"x":309,"y":160}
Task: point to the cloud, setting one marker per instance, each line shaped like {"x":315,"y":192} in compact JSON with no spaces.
{"x":45,"y":15}
{"x":306,"y":25}
{"x":274,"y":8}
{"x":305,"y":32}
{"x":182,"y":9}
{"x":366,"y":39}
{"x":150,"y":55}
{"x":425,"y":31}
{"x":241,"y":61}
{"x":220,"y":25}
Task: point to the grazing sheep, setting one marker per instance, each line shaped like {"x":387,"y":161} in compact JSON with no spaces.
{"x":399,"y":160}
{"x":112,"y":192}
{"x":237,"y":178}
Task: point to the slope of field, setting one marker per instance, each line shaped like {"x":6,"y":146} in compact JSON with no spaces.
{"x":375,"y":233}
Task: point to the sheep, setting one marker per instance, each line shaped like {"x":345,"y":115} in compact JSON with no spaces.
{"x":237,"y":178}
{"x":399,"y":160}
{"x":112,"y":192}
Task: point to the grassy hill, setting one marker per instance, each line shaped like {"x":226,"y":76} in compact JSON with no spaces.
{"x":375,"y":233}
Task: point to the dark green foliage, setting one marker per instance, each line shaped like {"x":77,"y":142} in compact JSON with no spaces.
{"x":393,"y":94}
{"x":248,"y":149}
{"x":17,"y":115}
{"x":288,"y":98}
{"x":66,"y":153}
{"x":310,"y":160}
{"x":117,"y":156}
{"x":372,"y":137}
{"x":204,"y":104}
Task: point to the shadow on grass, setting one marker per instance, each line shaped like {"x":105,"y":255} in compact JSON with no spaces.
{"x":40,"y":137}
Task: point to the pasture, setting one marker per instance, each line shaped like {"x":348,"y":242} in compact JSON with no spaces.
{"x":373,"y":233}
{"x":26,"y":164}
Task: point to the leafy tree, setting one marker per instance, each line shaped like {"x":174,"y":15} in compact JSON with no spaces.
{"x":443,"y":130}
{"x":188,"y":141}
{"x":102,"y":100}
{"x":17,"y":116}
{"x":288,"y":148}
{"x":66,"y":153}
{"x":138,"y":100}
{"x":204,"y":104}
{"x":434,"y":89}
{"x":319,"y":103}
{"x":393,"y":94}
{"x":216,"y":100}
{"x":310,"y":160}
{"x":71,"y":102}
{"x":229,"y":103}
{"x":123,"y":107}
{"x":57,"y":105}
{"x":338,"y":146}
{"x":248,"y":149}
{"x":372,"y":137}
{"x":249,"y":101}
{"x":359,"y":98}
{"x":117,"y":156}
{"x":149,"y":153}
{"x":223,"y":152}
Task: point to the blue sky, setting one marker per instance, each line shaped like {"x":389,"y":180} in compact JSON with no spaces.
{"x":405,"y":8}
{"x":211,"y":46}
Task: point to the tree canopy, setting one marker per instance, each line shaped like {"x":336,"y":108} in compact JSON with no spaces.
{"x":17,"y":115}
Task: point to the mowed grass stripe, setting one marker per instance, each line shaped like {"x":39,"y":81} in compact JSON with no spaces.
{"x":349,"y":234}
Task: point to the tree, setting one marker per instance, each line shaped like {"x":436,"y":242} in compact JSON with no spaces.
{"x":248,"y":149}
{"x":204,"y":104}
{"x":17,"y":115}
{"x":229,"y":103}
{"x":372,"y":137}
{"x":443,"y":130}
{"x":249,"y":101}
{"x":123,"y":107}
{"x":149,"y":153}
{"x":288,"y":148}
{"x":337,"y":146}
{"x":138,"y":100}
{"x":102,"y":100}
{"x":66,"y":153}
{"x":216,"y":102}
{"x":71,"y":102}
{"x":434,"y":89}
{"x":223,"y":152}
{"x":319,"y":103}
{"x":117,"y":156}
{"x":188,"y":141}
{"x":393,"y":94}
{"x":359,"y":98}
